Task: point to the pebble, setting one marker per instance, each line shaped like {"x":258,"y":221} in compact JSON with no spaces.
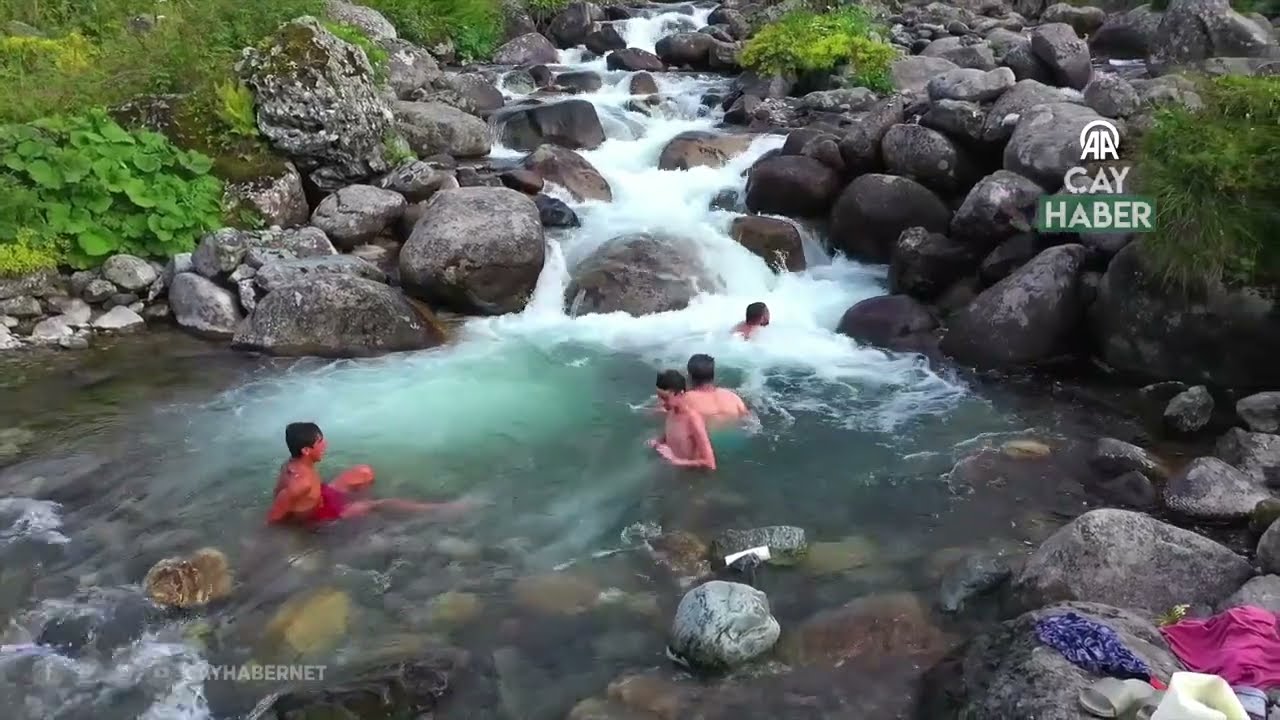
{"x":119,"y":318}
{"x":73,"y":342}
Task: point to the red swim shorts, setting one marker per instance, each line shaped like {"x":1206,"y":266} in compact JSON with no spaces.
{"x":333,"y":502}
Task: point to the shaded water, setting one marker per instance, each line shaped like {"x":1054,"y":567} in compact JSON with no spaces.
{"x":163,"y":445}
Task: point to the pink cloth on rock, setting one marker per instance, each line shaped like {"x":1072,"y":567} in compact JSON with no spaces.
{"x":1240,"y":645}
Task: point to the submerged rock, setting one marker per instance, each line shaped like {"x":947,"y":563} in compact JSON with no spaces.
{"x":1210,"y":489}
{"x":402,"y":688}
{"x":722,"y":624}
{"x":867,"y":630}
{"x":775,"y":241}
{"x":975,"y":575}
{"x":1113,"y":457}
{"x":190,"y":582}
{"x":1189,"y":410}
{"x":557,"y":594}
{"x":786,"y":544}
{"x":569,"y":170}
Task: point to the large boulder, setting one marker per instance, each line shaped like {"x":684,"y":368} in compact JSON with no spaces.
{"x":409,"y":68}
{"x":571,"y":123}
{"x":860,"y":146}
{"x":1083,"y":19}
{"x":571,"y":26}
{"x":871,"y":213}
{"x":700,"y":148}
{"x":128,"y":272}
{"x":278,"y":273}
{"x":1260,"y":411}
{"x":1000,"y":206}
{"x":604,"y":40}
{"x":222,"y":251}
{"x":357,"y":214}
{"x":318,"y":102}
{"x":277,"y":197}
{"x":893,"y":322}
{"x":1025,"y":318}
{"x":777,"y":242}
{"x":1009,"y":108}
{"x":1255,"y":454}
{"x":914,"y":73}
{"x":926,"y":156}
{"x":687,"y":48}
{"x":925,"y":265}
{"x":1128,"y":559}
{"x":1046,"y":142}
{"x":470,"y":92}
{"x":1210,"y":489}
{"x":639,"y":275}
{"x":476,"y":249}
{"x":1058,"y":47}
{"x":1194,"y":30}
{"x":1218,"y":335}
{"x":202,"y":307}
{"x":569,"y":170}
{"x":1262,"y":591}
{"x":967,"y":52}
{"x":1269,"y":549}
{"x":337,"y":316}
{"x":528,"y":49}
{"x":1008,"y":673}
{"x":371,"y":23}
{"x":634,"y":60}
{"x":792,"y":185}
{"x":970,"y":85}
{"x":432,"y":128}
{"x":1128,"y":35}
{"x":787,"y":544}
{"x":722,"y":624}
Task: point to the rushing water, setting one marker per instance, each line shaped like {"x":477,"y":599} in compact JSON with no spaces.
{"x":539,"y":415}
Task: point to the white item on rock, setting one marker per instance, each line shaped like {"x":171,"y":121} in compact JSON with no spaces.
{"x":1195,"y":696}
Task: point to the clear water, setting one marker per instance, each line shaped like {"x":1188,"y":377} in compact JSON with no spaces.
{"x":163,"y":445}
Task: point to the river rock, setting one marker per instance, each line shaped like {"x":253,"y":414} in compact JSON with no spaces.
{"x":893,"y":322}
{"x":1190,"y":410}
{"x":383,"y":687}
{"x":1255,"y":454}
{"x":860,"y":146}
{"x":697,"y":148}
{"x":685,"y":49}
{"x":682,"y":554}
{"x":371,"y":23}
{"x":1058,"y":46}
{"x":971,"y":85}
{"x":1084,"y":20}
{"x":278,"y":273}
{"x":1127,"y":35}
{"x":634,"y":60}
{"x":317,"y":102}
{"x":1013,"y":104}
{"x":1025,"y":318}
{"x":1210,"y":489}
{"x":792,"y":185}
{"x":722,"y":624}
{"x":642,"y":83}
{"x":1193,"y":30}
{"x":924,"y":264}
{"x":1113,"y":457}
{"x":417,"y":180}
{"x":845,"y":100}
{"x":871,"y":213}
{"x":471,"y":92}
{"x":1261,"y":411}
{"x":1111,"y":96}
{"x":1264,"y":514}
{"x":604,"y":40}
{"x":277,"y":197}
{"x":1001,"y":206}
{"x":1149,"y":331}
{"x":569,"y":170}
{"x":572,"y":124}
{"x":786,"y":544}
{"x":1262,"y":591}
{"x":1008,"y":673}
{"x":570,"y":27}
{"x":51,"y":330}
{"x":477,"y":249}
{"x":963,"y":51}
{"x":976,"y":575}
{"x":337,"y":316}
{"x":777,"y":242}
{"x":1046,"y":142}
{"x":736,"y":20}
{"x":526,"y":181}
{"x":529,"y":49}
{"x":926,"y":156}
{"x":128,"y":272}
{"x":203,"y":307}
{"x":914,"y":73}
{"x":410,"y":68}
{"x":41,"y":283}
{"x":357,"y":214}
{"x":119,"y":318}
{"x":1128,"y":559}
{"x":222,"y":251}
{"x":432,"y":128}
{"x":1269,"y":550}
{"x":24,"y":306}
{"x":638,"y":274}
{"x":555,"y":213}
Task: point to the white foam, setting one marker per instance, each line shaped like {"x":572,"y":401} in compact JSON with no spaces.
{"x":35,"y":519}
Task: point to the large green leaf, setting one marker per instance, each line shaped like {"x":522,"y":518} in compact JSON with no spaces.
{"x":116,"y":134}
{"x":146,"y":162}
{"x":139,"y":194}
{"x":14,"y":161}
{"x":30,"y":149}
{"x":94,"y":243}
{"x":196,"y":163}
{"x":75,"y":167}
{"x":45,"y":175}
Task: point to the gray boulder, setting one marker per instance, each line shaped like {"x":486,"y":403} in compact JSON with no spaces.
{"x":279,"y":273}
{"x":128,"y":272}
{"x":775,"y":241}
{"x":1128,"y":559}
{"x":1008,"y":110}
{"x":119,"y":319}
{"x":1111,"y":96}
{"x":276,"y":197}
{"x":1046,"y":142}
{"x":222,"y":251}
{"x":925,"y":265}
{"x":1209,"y":489}
{"x":1194,"y":30}
{"x":318,"y":103}
{"x":792,"y":185}
{"x":368,"y":21}
{"x":569,"y":170}
{"x":432,"y":128}
{"x":971,"y":85}
{"x":1026,"y":318}
{"x":847,"y":100}
{"x":1027,"y":66}
{"x":634,"y":60}
{"x":1083,"y":19}
{"x":1262,"y":591}
{"x":871,"y":213}
{"x":700,"y":148}
{"x":1113,"y":457}
{"x":571,"y":26}
{"x":1269,"y":550}
{"x":1127,"y":35}
{"x":685,"y":49}
{"x":860,"y":146}
{"x":1189,"y":410}
{"x":963,"y":121}
{"x":471,"y":92}
{"x":203,"y":307}
{"x":357,"y":214}
{"x":786,"y":544}
{"x":417,"y":180}
{"x":528,"y":49}
{"x":410,"y":68}
{"x":1000,"y":206}
{"x":639,"y":275}
{"x":976,"y":575}
{"x":1260,"y":411}
{"x":914,"y":73}
{"x":963,"y":51}
{"x":926,"y":156}
{"x":477,"y":249}
{"x":722,"y":624}
{"x":336,"y":316}
{"x":604,"y":39}
{"x":571,"y":123}
{"x":1255,"y":454}
{"x":893,"y":322}
{"x":1058,"y":46}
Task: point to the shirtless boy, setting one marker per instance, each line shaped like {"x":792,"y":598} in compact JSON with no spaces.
{"x":718,"y":406}
{"x":684,"y":442}
{"x":300,"y":496}
{"x":757,"y":317}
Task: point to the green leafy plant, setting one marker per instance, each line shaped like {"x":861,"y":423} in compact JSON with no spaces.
{"x":102,"y":189}
{"x":1212,"y":174}
{"x":474,"y":26}
{"x":378,"y":58}
{"x":805,"y":41}
{"x":29,"y":252}
{"x":396,"y":150}
{"x":542,"y":11}
{"x":235,"y":109}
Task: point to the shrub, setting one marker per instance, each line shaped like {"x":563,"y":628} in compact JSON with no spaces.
{"x":475,"y":26}
{"x":378,"y":57}
{"x":804,"y":41}
{"x":1213,"y":175}
{"x":542,"y":11}
{"x":29,"y":252}
{"x":88,"y":186}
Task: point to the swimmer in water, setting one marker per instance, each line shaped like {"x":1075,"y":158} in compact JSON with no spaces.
{"x":684,"y":442}
{"x":301,"y":498}
{"x":757,"y":317}
{"x":718,"y":406}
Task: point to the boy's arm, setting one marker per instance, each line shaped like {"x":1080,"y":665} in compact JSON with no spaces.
{"x":705,"y":455}
{"x":352,"y":479}
{"x":285,"y":500}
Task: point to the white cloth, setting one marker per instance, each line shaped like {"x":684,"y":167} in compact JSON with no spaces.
{"x":1195,"y":696}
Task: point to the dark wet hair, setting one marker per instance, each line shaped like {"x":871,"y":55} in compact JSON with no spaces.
{"x":756,"y":311}
{"x":671,"y":381}
{"x":702,"y":369}
{"x":300,"y":436}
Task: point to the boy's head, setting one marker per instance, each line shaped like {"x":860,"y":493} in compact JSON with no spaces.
{"x":758,"y":314}
{"x":305,"y":440}
{"x":702,"y":369}
{"x":670,"y":386}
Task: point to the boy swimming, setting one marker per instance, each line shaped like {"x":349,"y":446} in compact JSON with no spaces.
{"x":718,"y":406}
{"x":301,"y":497}
{"x":684,"y":442}
{"x":757,"y":317}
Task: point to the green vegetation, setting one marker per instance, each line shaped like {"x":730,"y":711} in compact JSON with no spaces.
{"x":1213,"y":175}
{"x":397,"y":150}
{"x":29,"y":252}
{"x":378,"y":57}
{"x":475,"y":26}
{"x":804,"y":41}
{"x":85,"y":186}
{"x":1266,"y":7}
{"x":542,"y":11}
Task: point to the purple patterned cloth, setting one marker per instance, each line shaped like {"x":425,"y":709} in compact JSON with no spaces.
{"x":1091,"y":646}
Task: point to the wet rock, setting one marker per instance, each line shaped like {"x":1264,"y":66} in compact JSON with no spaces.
{"x":528,"y":49}
{"x":964,"y":52}
{"x":276,"y":197}
{"x":642,"y":83}
{"x":838,"y":101}
{"x":556,"y":594}
{"x":572,"y":25}
{"x":128,"y":272}
{"x":777,"y":242}
{"x":1008,"y":673}
{"x":1131,"y":489}
{"x":1261,"y":411}
{"x":871,"y":213}
{"x":308,"y":624}
{"x":279,"y":273}
{"x":1262,"y":591}
{"x":400,"y":688}
{"x":682,"y":554}
{"x":357,"y":214}
{"x":1209,"y":489}
{"x":202,"y":307}
{"x":1026,"y":318}
{"x":525,"y":181}
{"x":1083,"y":19}
{"x":1190,"y":410}
{"x":1128,"y":559}
{"x":829,"y":558}
{"x":925,"y":264}
{"x":221,"y":252}
{"x":977,"y":574}
{"x":860,"y":146}
{"x":722,"y":624}
{"x":638,"y":274}
{"x":1127,"y":35}
{"x":573,"y":124}
{"x":417,"y":180}
{"x":1113,"y":457}
{"x":1264,"y":514}
{"x":1269,"y":550}
{"x":434,"y":127}
{"x":1111,"y":96}
{"x":410,"y":68}
{"x":867,"y":630}
{"x":476,"y":249}
{"x":604,"y":40}
{"x":318,"y":103}
{"x":337,"y":316}
{"x":1255,"y":454}
{"x":1058,"y":46}
{"x":1193,"y":30}
{"x":121,"y":620}
{"x":698,"y":148}
{"x":119,"y":319}
{"x":926,"y":156}
{"x":7,"y":340}
{"x":454,"y":608}
{"x":555,"y":213}
{"x":971,"y":85}
{"x":569,"y":170}
{"x":786,"y":544}
{"x":681,"y":49}
{"x":188,"y":582}
{"x":98,"y":291}
{"x":893,"y":322}
{"x":1046,"y":142}
{"x":792,"y":185}
{"x":634,"y":60}
{"x":914,"y":73}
